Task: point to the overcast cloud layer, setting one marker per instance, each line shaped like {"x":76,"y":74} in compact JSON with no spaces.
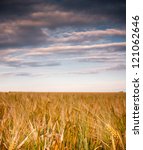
{"x":61,"y":43}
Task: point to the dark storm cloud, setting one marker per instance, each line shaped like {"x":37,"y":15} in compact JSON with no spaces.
{"x":14,"y":37}
{"x":111,"y":8}
{"x":21,"y":22}
{"x":64,"y":12}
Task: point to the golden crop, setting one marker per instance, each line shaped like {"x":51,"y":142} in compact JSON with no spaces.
{"x":62,"y":121}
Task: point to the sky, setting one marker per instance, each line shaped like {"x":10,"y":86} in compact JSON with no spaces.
{"x":62,"y":45}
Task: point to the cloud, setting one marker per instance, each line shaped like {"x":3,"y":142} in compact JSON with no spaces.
{"x":117,"y":67}
{"x":111,"y":47}
{"x":10,"y":74}
{"x":83,"y":36}
{"x":109,"y":9}
{"x":114,"y":9}
{"x":30,"y":64}
{"x":27,"y":32}
{"x":22,"y":21}
{"x":20,"y":74}
{"x":18,"y":61}
{"x":13,"y":35}
{"x":56,"y":55}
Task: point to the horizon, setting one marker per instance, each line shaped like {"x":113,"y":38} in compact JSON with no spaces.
{"x":58,"y":92}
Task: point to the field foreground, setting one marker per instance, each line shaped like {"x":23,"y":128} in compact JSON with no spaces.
{"x":62,"y":121}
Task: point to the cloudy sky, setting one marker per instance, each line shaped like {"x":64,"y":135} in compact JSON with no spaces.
{"x":62,"y":45}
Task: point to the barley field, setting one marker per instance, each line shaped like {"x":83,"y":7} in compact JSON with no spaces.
{"x":62,"y":121}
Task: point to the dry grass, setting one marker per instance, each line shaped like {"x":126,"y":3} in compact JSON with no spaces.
{"x":62,"y":121}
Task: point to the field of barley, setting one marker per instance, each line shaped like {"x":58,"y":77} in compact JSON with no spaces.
{"x":62,"y":121}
